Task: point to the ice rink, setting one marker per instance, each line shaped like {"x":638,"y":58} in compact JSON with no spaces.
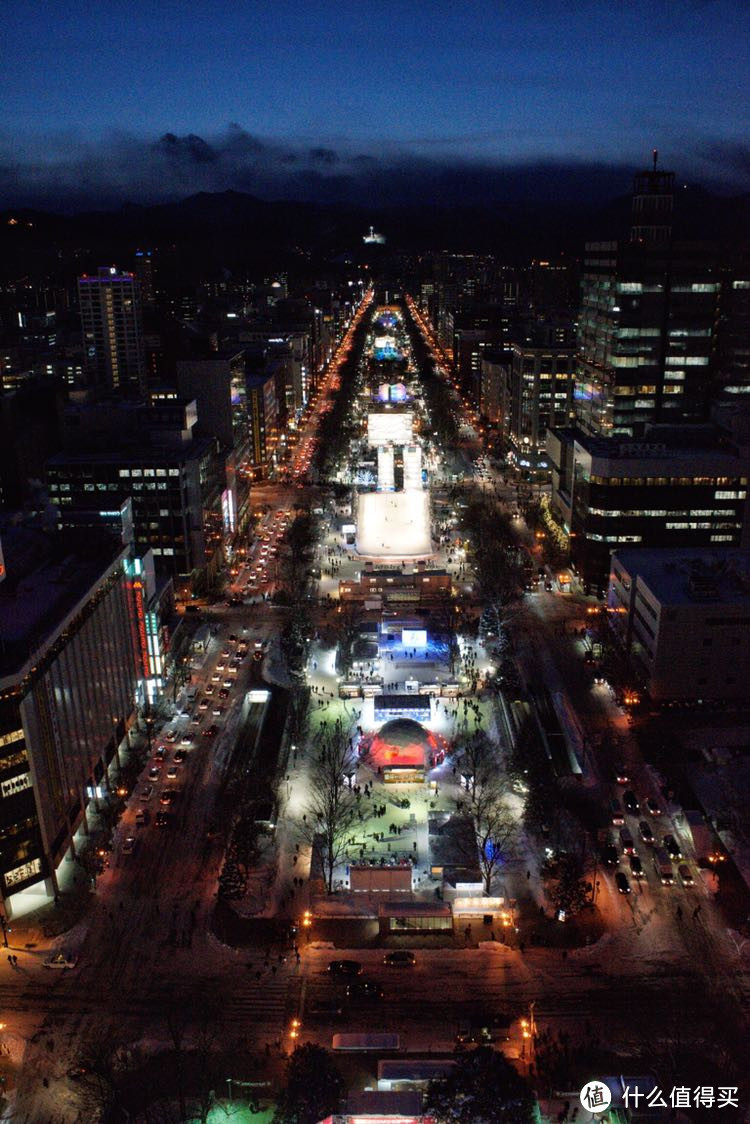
{"x":394,"y":525}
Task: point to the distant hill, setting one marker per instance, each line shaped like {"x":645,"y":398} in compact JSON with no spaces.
{"x":233,"y":230}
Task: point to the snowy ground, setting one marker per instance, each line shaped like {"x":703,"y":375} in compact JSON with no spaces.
{"x":394,"y":525}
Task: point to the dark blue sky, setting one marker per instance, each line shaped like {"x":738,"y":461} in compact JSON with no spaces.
{"x":89,"y":88}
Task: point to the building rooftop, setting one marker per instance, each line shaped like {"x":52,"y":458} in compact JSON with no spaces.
{"x":658,"y":440}
{"x":690,"y":576}
{"x":49,"y":573}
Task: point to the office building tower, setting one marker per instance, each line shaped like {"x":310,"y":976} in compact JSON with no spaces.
{"x":647,"y":322}
{"x":69,"y":685}
{"x":110,"y":306}
{"x":541,"y":377}
{"x":680,"y":486}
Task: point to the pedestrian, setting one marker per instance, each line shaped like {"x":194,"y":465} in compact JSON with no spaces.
{"x":528,"y":875}
{"x":10,"y":961}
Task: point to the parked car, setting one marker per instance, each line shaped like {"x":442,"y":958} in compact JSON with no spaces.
{"x":142,"y":817}
{"x":153,"y":773}
{"x":146,"y":793}
{"x":672,"y":847}
{"x":129,"y":845}
{"x":622,"y":883}
{"x":61,"y":961}
{"x":364,"y":989}
{"x":345,"y":968}
{"x":400,"y":958}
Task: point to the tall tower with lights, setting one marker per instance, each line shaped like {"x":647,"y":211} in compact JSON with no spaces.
{"x":110,"y":306}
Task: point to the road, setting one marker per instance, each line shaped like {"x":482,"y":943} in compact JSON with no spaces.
{"x":145,"y":949}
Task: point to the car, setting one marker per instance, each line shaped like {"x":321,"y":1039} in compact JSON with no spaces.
{"x":78,"y":1072}
{"x":672,"y":847}
{"x":483,"y":1030}
{"x":172,"y":772}
{"x":232,"y":638}
{"x":61,"y":961}
{"x":185,"y":740}
{"x":226,"y":653}
{"x":653,"y":806}
{"x":610,"y":854}
{"x":215,"y":678}
{"x":227,"y":685}
{"x":364,"y":989}
{"x":349,"y":968}
{"x":142,"y":817}
{"x":615,"y":813}
{"x":163,"y":819}
{"x":196,"y":720}
{"x":168,"y":796}
{"x":630,"y":801}
{"x":326,"y":1009}
{"x":224,"y":693}
{"x":146,"y":793}
{"x":160,"y":754}
{"x":179,"y":757}
{"x":686,"y":877}
{"x":171,"y":735}
{"x":622,"y":883}
{"x":400,"y":958}
{"x":645,"y":831}
{"x":217,"y":710}
{"x":211,"y":731}
{"x":636,"y":867}
{"x":221,"y":666}
{"x":129,"y":845}
{"x":209,"y":691}
{"x":153,"y":773}
{"x":621,"y":773}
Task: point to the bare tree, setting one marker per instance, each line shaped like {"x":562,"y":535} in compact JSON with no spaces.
{"x":495,"y":827}
{"x":332,"y":808}
{"x":477,"y":760}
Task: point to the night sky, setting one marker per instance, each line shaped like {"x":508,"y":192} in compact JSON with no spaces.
{"x":152,"y":100}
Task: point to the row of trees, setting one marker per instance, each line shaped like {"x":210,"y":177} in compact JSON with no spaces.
{"x":337,"y":427}
{"x":441,"y":401}
{"x":482,"y":1085}
{"x":331,"y":810}
{"x":486,"y":802}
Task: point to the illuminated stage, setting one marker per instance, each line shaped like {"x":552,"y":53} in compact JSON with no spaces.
{"x":394,"y":525}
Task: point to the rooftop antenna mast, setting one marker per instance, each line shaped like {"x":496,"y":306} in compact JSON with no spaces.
{"x":655,"y":154}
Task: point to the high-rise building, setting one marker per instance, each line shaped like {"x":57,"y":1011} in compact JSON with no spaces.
{"x":110,"y":306}
{"x":69,"y":683}
{"x":648,"y":321}
{"x":679,"y":486}
{"x":539,"y":397}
